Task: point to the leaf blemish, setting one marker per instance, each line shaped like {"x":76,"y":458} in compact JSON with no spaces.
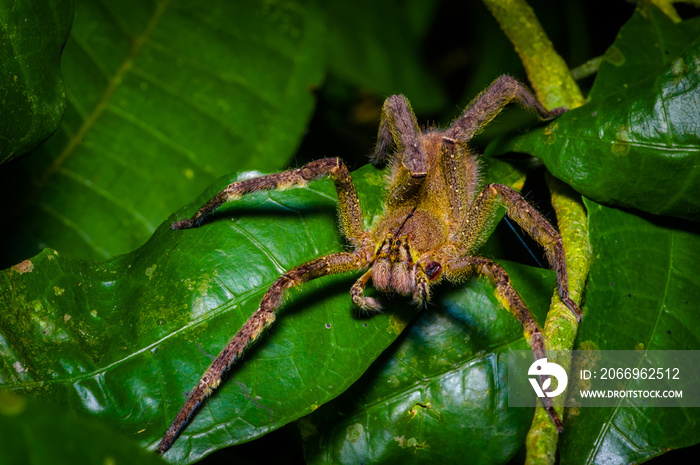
{"x":614,"y":56}
{"x":151,"y":270}
{"x":679,"y":67}
{"x":19,"y":368}
{"x":393,"y":381}
{"x":354,"y":432}
{"x":550,"y":132}
{"x":396,"y":324}
{"x":24,"y":267}
{"x":412,"y":442}
{"x":621,"y":146}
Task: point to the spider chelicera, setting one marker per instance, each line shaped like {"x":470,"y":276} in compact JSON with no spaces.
{"x":436,"y":216}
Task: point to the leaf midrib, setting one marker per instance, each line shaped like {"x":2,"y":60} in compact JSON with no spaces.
{"x":101,"y":106}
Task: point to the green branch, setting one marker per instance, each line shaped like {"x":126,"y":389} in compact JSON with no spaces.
{"x":561,"y":327}
{"x":548,"y":73}
{"x":552,"y":81}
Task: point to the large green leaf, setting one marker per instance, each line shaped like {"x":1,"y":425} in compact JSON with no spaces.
{"x":33,"y":433}
{"x":635,"y":144}
{"x":641,"y":295}
{"x":440,"y":395}
{"x":125,"y":339}
{"x":32,"y":99}
{"x":164,"y":97}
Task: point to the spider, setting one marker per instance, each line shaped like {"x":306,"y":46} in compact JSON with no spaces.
{"x":436,"y":216}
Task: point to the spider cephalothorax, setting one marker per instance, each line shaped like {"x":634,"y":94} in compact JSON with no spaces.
{"x":437,"y":214}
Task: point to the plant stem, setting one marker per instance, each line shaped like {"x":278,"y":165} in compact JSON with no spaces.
{"x":587,"y":69}
{"x":667,"y":7}
{"x":554,"y":86}
{"x":561,"y":327}
{"x":547,"y":71}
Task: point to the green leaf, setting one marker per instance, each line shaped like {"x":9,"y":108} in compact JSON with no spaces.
{"x":124,"y":340}
{"x":33,"y":433}
{"x":635,"y":144}
{"x":373,"y":45}
{"x":641,"y":295}
{"x":32,"y":98}
{"x":164,"y":97}
{"x":440,"y":394}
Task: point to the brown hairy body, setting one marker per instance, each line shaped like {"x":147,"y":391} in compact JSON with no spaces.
{"x":436,"y":216}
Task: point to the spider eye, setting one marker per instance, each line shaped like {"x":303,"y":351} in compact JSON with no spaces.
{"x":433,"y":270}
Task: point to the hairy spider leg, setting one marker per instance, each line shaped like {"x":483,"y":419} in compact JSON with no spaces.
{"x":459,"y":269}
{"x":351,"y":227}
{"x":489,"y":103}
{"x":461,"y":172}
{"x":422,"y":293}
{"x":251,"y":330}
{"x":473,"y":213}
{"x":399,"y":125}
{"x":368,"y":305}
{"x":348,"y":203}
{"x":518,"y":209}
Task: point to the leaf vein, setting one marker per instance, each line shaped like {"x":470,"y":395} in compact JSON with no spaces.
{"x":109,"y":197}
{"x":75,"y":228}
{"x":113,"y":83}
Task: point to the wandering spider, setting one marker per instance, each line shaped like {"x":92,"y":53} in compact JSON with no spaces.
{"x":436,"y":216}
